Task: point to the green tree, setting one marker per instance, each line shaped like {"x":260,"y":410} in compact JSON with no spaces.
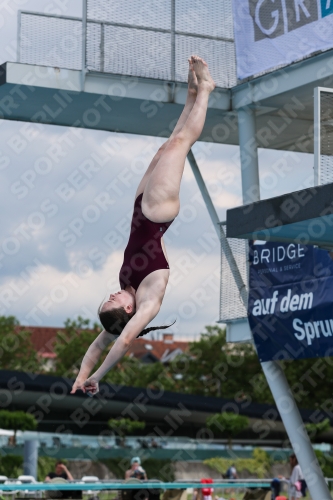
{"x":17,"y":420}
{"x":210,"y":367}
{"x":259,"y":464}
{"x":314,"y":430}
{"x":11,"y":465}
{"x":309,"y":380}
{"x":127,"y":372}
{"x":164,"y":470}
{"x":16,"y":349}
{"x":213,"y":367}
{"x":228,"y":424}
{"x":132,"y":372}
{"x":125,"y":426}
{"x":71,"y":345}
{"x":326,"y":462}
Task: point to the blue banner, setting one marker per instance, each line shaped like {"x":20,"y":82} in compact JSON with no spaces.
{"x":291,"y":300}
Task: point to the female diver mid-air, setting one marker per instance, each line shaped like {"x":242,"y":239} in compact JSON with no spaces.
{"x":145,"y":271}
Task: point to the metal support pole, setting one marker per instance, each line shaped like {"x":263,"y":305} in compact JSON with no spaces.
{"x":204,"y":192}
{"x":215,"y":220}
{"x":102,"y":47}
{"x":248,"y":155}
{"x":30,"y":458}
{"x":84,"y":43}
{"x":316,"y":136}
{"x":298,"y":436}
{"x":19,"y":19}
{"x":173,"y":40}
{"x":275,"y":377}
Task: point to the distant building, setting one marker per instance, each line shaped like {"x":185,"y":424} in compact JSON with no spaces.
{"x":147,"y":351}
{"x":150,"y":351}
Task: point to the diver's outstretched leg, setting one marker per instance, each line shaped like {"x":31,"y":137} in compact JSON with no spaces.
{"x":160,"y":202}
{"x":190,"y":100}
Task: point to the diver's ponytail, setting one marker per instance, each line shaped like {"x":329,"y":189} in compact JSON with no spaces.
{"x":147,"y":330}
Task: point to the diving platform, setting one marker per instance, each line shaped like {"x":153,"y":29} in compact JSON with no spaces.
{"x":114,"y":103}
{"x":104,"y":101}
{"x":304,"y":217}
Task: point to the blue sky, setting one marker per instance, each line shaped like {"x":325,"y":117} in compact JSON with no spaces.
{"x":62,"y":238}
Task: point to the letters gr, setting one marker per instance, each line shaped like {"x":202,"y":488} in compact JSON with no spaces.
{"x":273,"y":18}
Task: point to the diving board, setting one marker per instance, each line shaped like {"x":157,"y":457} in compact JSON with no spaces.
{"x":304,"y":217}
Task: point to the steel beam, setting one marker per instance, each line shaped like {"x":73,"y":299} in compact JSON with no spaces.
{"x":220,"y":233}
{"x":310,"y":71}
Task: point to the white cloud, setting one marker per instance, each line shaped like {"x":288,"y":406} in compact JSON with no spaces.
{"x":227,"y":200}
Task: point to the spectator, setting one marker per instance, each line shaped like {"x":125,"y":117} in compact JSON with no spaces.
{"x":231,"y":472}
{"x":276,"y":488}
{"x":136,"y":470}
{"x":295,"y":484}
{"x":60,"y":471}
{"x":121,"y":442}
{"x":204,"y":493}
{"x":232,"y":475}
{"x":11,"y":441}
{"x":153,"y":443}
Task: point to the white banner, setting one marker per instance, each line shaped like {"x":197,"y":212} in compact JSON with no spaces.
{"x":271,"y":33}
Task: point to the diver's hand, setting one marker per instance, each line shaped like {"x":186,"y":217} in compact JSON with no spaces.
{"x":91,"y":386}
{"x":78,"y":385}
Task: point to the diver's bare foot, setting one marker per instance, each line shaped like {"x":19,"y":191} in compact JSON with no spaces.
{"x":192,"y":79}
{"x":202,"y":72}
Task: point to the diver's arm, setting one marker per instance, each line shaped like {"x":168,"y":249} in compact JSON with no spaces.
{"x":91,"y":358}
{"x":146,"y":312}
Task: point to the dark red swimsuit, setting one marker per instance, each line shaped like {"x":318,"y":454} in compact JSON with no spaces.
{"x":143,"y":254}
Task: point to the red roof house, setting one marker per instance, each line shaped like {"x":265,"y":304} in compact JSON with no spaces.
{"x":148,"y":351}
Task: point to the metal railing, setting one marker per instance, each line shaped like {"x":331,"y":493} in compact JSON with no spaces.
{"x":30,"y":40}
{"x":14,"y":485}
{"x":41,"y":40}
{"x":234,"y":278}
{"x":173,"y":32}
{"x":60,"y":440}
{"x":122,"y":485}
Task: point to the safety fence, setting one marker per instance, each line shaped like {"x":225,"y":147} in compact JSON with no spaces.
{"x":15,"y":487}
{"x":323,"y":135}
{"x":122,"y":485}
{"x":50,"y":40}
{"x":123,"y":453}
{"x":150,"y":39}
{"x":234,"y":277}
{"x":149,"y":489}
